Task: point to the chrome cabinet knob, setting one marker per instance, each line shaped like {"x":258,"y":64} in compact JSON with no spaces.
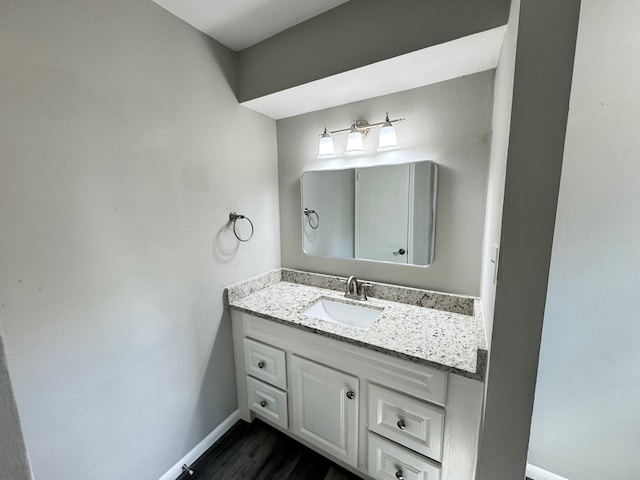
{"x":263,"y":403}
{"x":260,"y":364}
{"x":401,"y":424}
{"x":351,"y":395}
{"x":400,"y":475}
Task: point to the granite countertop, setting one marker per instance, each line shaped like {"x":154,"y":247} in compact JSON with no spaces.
{"x":447,"y":334}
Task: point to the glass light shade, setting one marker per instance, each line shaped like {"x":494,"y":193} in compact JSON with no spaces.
{"x":355,"y":143}
{"x":387,"y":139}
{"x":326,"y":147}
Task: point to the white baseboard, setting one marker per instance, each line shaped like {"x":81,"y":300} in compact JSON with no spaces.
{"x":537,"y":473}
{"x":175,"y":471}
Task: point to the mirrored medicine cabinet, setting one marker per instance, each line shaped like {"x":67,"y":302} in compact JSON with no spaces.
{"x":383,"y":213}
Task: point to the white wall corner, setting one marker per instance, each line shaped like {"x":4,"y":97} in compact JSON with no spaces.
{"x":175,"y":471}
{"x":537,"y":473}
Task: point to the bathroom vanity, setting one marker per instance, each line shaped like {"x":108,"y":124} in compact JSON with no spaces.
{"x":399,"y":400}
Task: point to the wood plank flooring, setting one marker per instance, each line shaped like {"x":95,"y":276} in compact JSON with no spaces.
{"x":255,"y":451}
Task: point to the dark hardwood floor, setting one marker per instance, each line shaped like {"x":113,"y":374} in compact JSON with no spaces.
{"x":255,"y":451}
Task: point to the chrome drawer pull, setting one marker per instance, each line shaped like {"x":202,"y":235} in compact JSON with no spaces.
{"x":400,"y":475}
{"x":401,"y":424}
{"x":351,"y":395}
{"x":263,"y":403}
{"x":260,"y":364}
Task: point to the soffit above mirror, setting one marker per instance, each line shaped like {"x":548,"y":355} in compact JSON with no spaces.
{"x":464,"y":56}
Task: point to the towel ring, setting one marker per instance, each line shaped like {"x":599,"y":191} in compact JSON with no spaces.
{"x":234,"y":217}
{"x":313,"y":223}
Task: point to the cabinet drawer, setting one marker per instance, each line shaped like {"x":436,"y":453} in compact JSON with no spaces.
{"x":406,"y":420}
{"x":388,"y":461}
{"x":265,"y":362}
{"x":269,"y":402}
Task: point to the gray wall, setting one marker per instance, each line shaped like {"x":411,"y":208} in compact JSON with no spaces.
{"x":122,"y":151}
{"x":501,"y":123}
{"x":542,"y":81}
{"x":586,"y":421}
{"x":358,"y":33}
{"x":14,"y":461}
{"x":448,"y":123}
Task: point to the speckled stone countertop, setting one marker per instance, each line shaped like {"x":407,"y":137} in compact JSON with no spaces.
{"x":447,"y":333}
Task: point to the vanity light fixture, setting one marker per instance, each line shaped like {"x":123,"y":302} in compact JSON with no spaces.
{"x":355,"y":139}
{"x":387,"y":140}
{"x":326,"y":148}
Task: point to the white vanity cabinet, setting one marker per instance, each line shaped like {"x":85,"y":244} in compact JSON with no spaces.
{"x":379,"y":416}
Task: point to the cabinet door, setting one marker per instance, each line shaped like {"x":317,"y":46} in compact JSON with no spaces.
{"x":382,"y":214}
{"x":325,"y":408}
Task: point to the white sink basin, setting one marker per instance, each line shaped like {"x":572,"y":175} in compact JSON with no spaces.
{"x":349,"y":314}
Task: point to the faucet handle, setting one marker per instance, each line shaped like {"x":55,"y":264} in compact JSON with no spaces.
{"x":364,"y":288}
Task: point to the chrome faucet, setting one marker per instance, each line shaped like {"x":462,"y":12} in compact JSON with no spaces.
{"x":356,"y":290}
{"x":352,"y":287}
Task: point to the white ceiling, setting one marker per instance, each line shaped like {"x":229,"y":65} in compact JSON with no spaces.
{"x":238,"y":24}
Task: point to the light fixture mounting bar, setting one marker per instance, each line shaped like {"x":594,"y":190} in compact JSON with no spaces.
{"x":379,"y":124}
{"x":362,"y":125}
